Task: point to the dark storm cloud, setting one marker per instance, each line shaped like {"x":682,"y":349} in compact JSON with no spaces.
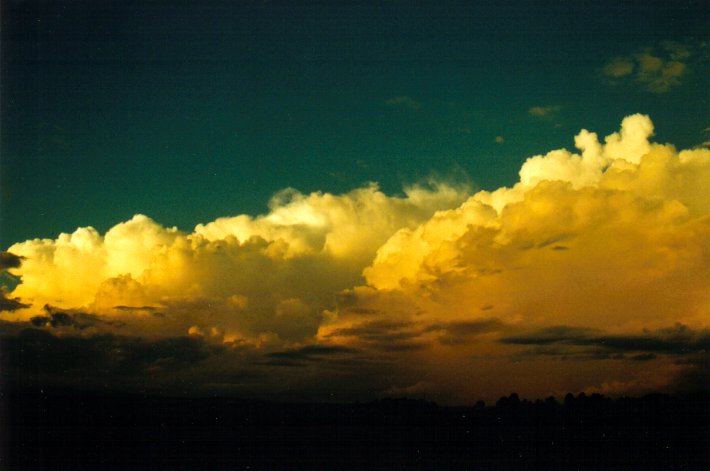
{"x":36,"y":356}
{"x":677,"y":340}
{"x":396,"y":347}
{"x":385,"y":336}
{"x":55,"y":320}
{"x":9,"y":260}
{"x":697,"y":375}
{"x":569,"y":352}
{"x":550,"y":335}
{"x":400,"y":336}
{"x":10,"y":304}
{"x":378,"y":331}
{"x":644,"y":357}
{"x":463,"y":332}
{"x":469,"y":328}
{"x":310,"y":352}
{"x":58,"y":318}
{"x":554,"y":240}
{"x":346,"y":301}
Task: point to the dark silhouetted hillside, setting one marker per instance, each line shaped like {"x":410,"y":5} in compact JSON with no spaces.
{"x":85,"y":431}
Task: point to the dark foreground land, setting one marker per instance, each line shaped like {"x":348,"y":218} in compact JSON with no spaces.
{"x":82,"y":431}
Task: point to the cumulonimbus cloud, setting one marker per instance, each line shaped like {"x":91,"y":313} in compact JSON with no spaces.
{"x":234,"y":277}
{"x":615,"y":238}
{"x":437,"y":287}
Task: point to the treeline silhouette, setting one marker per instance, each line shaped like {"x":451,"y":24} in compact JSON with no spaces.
{"x":583,"y":432}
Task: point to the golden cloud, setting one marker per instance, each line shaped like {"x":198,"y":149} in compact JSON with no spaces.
{"x":657,"y":70}
{"x":615,"y":238}
{"x":243,"y":276}
{"x":577,"y":270}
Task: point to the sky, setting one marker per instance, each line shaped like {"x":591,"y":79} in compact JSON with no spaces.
{"x":343,"y":201}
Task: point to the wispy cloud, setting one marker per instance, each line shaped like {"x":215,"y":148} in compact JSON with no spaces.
{"x":542,"y":111}
{"x":404,"y":102}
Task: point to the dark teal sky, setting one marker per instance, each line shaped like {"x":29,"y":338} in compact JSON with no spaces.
{"x":187,"y":111}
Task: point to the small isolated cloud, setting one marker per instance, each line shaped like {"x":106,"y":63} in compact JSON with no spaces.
{"x":657,"y":70}
{"x":500,"y":139}
{"x":542,"y":111}
{"x":618,"y":67}
{"x":404,"y":102}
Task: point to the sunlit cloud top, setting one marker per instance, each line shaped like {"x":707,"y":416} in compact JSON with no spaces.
{"x":595,"y":261}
